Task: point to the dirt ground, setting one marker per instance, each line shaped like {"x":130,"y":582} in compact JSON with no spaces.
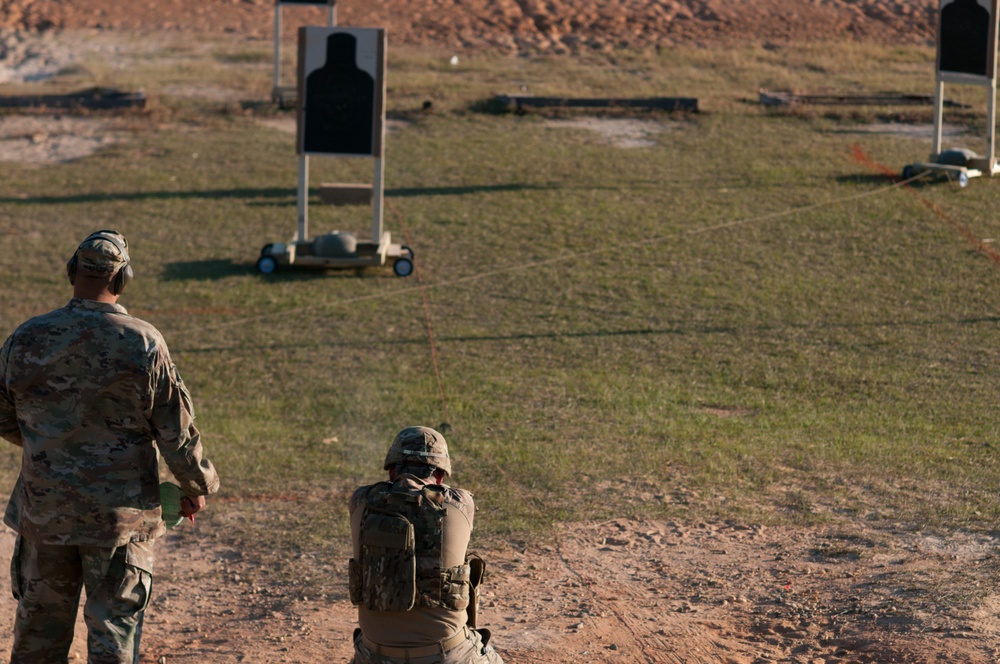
{"x":513,"y":25}
{"x":615,"y":591}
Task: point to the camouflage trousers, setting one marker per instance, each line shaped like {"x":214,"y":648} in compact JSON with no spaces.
{"x":47,"y":580}
{"x":473,"y":650}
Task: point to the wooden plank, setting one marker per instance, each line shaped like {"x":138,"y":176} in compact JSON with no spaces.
{"x":345,"y":194}
{"x":660,"y":103}
{"x":92,"y":98}
{"x":784,"y":98}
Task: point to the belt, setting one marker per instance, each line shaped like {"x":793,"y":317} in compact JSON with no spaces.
{"x":438,"y":648}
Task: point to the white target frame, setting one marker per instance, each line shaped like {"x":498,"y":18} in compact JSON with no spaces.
{"x":985,"y":79}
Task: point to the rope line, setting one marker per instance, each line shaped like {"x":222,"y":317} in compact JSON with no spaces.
{"x":472,"y":278}
{"x":806,"y":208}
{"x":427,"y":316}
{"x":957,"y":226}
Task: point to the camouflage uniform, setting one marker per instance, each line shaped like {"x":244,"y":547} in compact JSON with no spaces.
{"x":86,"y":390}
{"x":414,"y":604}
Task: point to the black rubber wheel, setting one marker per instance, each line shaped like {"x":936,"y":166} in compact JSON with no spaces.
{"x":403,"y":267}
{"x":266,"y":265}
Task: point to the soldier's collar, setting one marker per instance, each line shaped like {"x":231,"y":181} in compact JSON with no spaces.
{"x":94,"y":305}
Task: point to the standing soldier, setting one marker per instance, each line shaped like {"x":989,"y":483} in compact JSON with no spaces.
{"x":86,"y":391}
{"x":416,"y":588}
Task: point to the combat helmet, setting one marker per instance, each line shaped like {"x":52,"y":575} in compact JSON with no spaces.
{"x":421,"y":445}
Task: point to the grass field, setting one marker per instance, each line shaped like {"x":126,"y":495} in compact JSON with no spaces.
{"x":743,"y":321}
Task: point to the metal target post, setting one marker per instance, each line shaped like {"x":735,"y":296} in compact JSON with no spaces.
{"x":278,"y":93}
{"x":989,"y":163}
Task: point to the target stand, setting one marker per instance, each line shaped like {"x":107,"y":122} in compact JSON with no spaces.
{"x":967,"y":47}
{"x":341,"y":113}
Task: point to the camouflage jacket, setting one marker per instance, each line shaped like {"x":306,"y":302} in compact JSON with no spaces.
{"x":87,"y":390}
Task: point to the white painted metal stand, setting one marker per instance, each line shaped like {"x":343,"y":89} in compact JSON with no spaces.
{"x":988,"y":163}
{"x":279,"y":92}
{"x":976,"y":166}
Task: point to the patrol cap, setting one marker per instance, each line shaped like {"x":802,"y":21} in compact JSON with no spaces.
{"x":99,"y":253}
{"x":421,"y":445}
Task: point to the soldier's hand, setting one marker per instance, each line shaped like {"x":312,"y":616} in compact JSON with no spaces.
{"x":191,"y":506}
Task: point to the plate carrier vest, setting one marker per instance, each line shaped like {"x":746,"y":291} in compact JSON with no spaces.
{"x":400,"y":559}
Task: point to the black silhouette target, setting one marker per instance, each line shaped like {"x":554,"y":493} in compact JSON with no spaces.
{"x":341,"y":75}
{"x":967,"y":37}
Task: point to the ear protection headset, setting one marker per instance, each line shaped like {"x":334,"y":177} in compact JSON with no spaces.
{"x":124,"y":274}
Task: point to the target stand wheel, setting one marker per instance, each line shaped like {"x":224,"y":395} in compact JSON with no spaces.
{"x":266,"y":265}
{"x":403,"y":267}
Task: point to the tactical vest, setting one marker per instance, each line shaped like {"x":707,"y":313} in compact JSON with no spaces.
{"x":400,"y":564}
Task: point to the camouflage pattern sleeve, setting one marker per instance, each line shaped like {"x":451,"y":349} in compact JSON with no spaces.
{"x":179,"y":441}
{"x":9,"y":428}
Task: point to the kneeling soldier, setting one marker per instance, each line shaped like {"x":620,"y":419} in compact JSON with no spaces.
{"x":415,"y":586}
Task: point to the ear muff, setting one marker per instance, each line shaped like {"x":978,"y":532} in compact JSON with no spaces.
{"x":122,"y":279}
{"x":71,"y":268}
{"x":124,"y":275}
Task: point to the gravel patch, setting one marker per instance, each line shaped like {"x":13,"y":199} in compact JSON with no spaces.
{"x":31,"y":139}
{"x":620,"y":133}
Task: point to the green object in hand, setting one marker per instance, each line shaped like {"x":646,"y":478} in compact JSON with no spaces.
{"x":170,"y":504}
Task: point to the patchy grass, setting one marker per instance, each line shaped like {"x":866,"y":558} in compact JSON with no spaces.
{"x":742,"y":321}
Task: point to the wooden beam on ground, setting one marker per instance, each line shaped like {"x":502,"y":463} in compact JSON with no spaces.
{"x":90,"y":98}
{"x":785,"y":98}
{"x":519,"y":102}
